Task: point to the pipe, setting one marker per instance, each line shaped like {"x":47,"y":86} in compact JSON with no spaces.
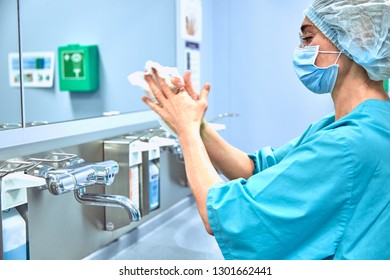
{"x":108,"y":201}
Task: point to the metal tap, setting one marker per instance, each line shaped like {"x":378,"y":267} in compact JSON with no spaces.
{"x":76,"y":175}
{"x":110,"y":201}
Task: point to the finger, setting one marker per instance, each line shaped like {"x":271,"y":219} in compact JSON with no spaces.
{"x":204,"y":93}
{"x":157,"y":92}
{"x":177,"y":82}
{"x":153,"y":105}
{"x":162,"y":84}
{"x":156,"y":108}
{"x":188,"y":85}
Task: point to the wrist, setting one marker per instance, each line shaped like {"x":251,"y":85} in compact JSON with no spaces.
{"x":189,"y":131}
{"x":205,"y":130}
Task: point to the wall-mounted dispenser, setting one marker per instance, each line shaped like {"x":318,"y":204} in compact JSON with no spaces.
{"x":78,"y":67}
{"x":139,"y":177}
{"x":132,"y":179}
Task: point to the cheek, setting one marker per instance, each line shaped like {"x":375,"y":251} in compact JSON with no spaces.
{"x":326,"y":60}
{"x":323,"y":60}
{"x":345,"y":65}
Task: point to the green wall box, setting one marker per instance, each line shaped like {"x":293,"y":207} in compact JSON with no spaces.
{"x":78,"y":67}
{"x":386,"y":85}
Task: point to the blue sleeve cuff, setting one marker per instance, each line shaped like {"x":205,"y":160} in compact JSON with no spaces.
{"x":213,"y":221}
{"x":263,"y":159}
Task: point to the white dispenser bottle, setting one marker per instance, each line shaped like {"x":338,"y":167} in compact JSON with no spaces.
{"x":154,"y":184}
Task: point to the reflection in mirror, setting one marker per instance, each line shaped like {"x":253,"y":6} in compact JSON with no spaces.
{"x":127,"y":33}
{"x":10,"y":102}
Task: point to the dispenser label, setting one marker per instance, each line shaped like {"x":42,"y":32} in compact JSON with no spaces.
{"x":134,"y":184}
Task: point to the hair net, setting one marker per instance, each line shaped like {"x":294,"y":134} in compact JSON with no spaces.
{"x":358,"y":28}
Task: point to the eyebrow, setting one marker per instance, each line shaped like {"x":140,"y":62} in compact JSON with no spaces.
{"x":305,"y":27}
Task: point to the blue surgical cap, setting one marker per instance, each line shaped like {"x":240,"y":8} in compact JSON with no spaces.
{"x":358,"y":28}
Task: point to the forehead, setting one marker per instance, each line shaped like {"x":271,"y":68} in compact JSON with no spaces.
{"x":309,"y":29}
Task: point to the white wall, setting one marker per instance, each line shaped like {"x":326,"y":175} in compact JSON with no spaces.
{"x":253,"y":43}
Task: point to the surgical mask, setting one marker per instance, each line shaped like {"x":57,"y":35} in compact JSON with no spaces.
{"x":319,"y":80}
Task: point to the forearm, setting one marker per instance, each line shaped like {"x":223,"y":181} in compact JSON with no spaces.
{"x":232,"y":162}
{"x":201,"y":173}
{"x":184,"y":115}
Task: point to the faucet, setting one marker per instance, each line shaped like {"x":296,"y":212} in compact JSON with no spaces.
{"x":74,"y":177}
{"x":77,"y":177}
{"x":110,"y":201}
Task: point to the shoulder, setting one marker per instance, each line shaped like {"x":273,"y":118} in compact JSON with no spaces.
{"x":367,"y":125}
{"x":363,"y":136}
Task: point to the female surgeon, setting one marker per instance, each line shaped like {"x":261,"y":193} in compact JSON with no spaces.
{"x":325,"y":194}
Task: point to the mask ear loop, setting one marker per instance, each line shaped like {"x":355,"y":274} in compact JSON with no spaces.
{"x":337,"y":59}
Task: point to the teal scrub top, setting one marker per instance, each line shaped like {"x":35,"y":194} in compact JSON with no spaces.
{"x":324,"y":195}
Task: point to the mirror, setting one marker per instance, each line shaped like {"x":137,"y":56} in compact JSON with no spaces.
{"x":10,"y":105}
{"x":127,"y":34}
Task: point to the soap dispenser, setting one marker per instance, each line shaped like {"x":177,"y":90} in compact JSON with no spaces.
{"x":132,"y":180}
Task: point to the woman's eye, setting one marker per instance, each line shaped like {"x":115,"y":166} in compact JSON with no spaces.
{"x":307,"y":39}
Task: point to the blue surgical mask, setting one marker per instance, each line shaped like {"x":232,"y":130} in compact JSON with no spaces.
{"x":317,"y":79}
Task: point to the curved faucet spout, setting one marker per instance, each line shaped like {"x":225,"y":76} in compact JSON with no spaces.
{"x":108,"y":201}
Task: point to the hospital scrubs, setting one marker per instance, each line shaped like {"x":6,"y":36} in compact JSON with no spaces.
{"x":324,"y":195}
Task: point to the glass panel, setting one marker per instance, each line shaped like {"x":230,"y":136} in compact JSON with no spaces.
{"x":127,"y":33}
{"x":10,"y":105}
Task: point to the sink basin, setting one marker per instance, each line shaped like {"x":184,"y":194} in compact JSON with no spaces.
{"x":178,"y":236}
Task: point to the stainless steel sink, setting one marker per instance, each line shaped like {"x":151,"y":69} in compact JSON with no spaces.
{"x":176,"y":234}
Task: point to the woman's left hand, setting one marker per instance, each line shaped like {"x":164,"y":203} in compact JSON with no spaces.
{"x":180,"y":111}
